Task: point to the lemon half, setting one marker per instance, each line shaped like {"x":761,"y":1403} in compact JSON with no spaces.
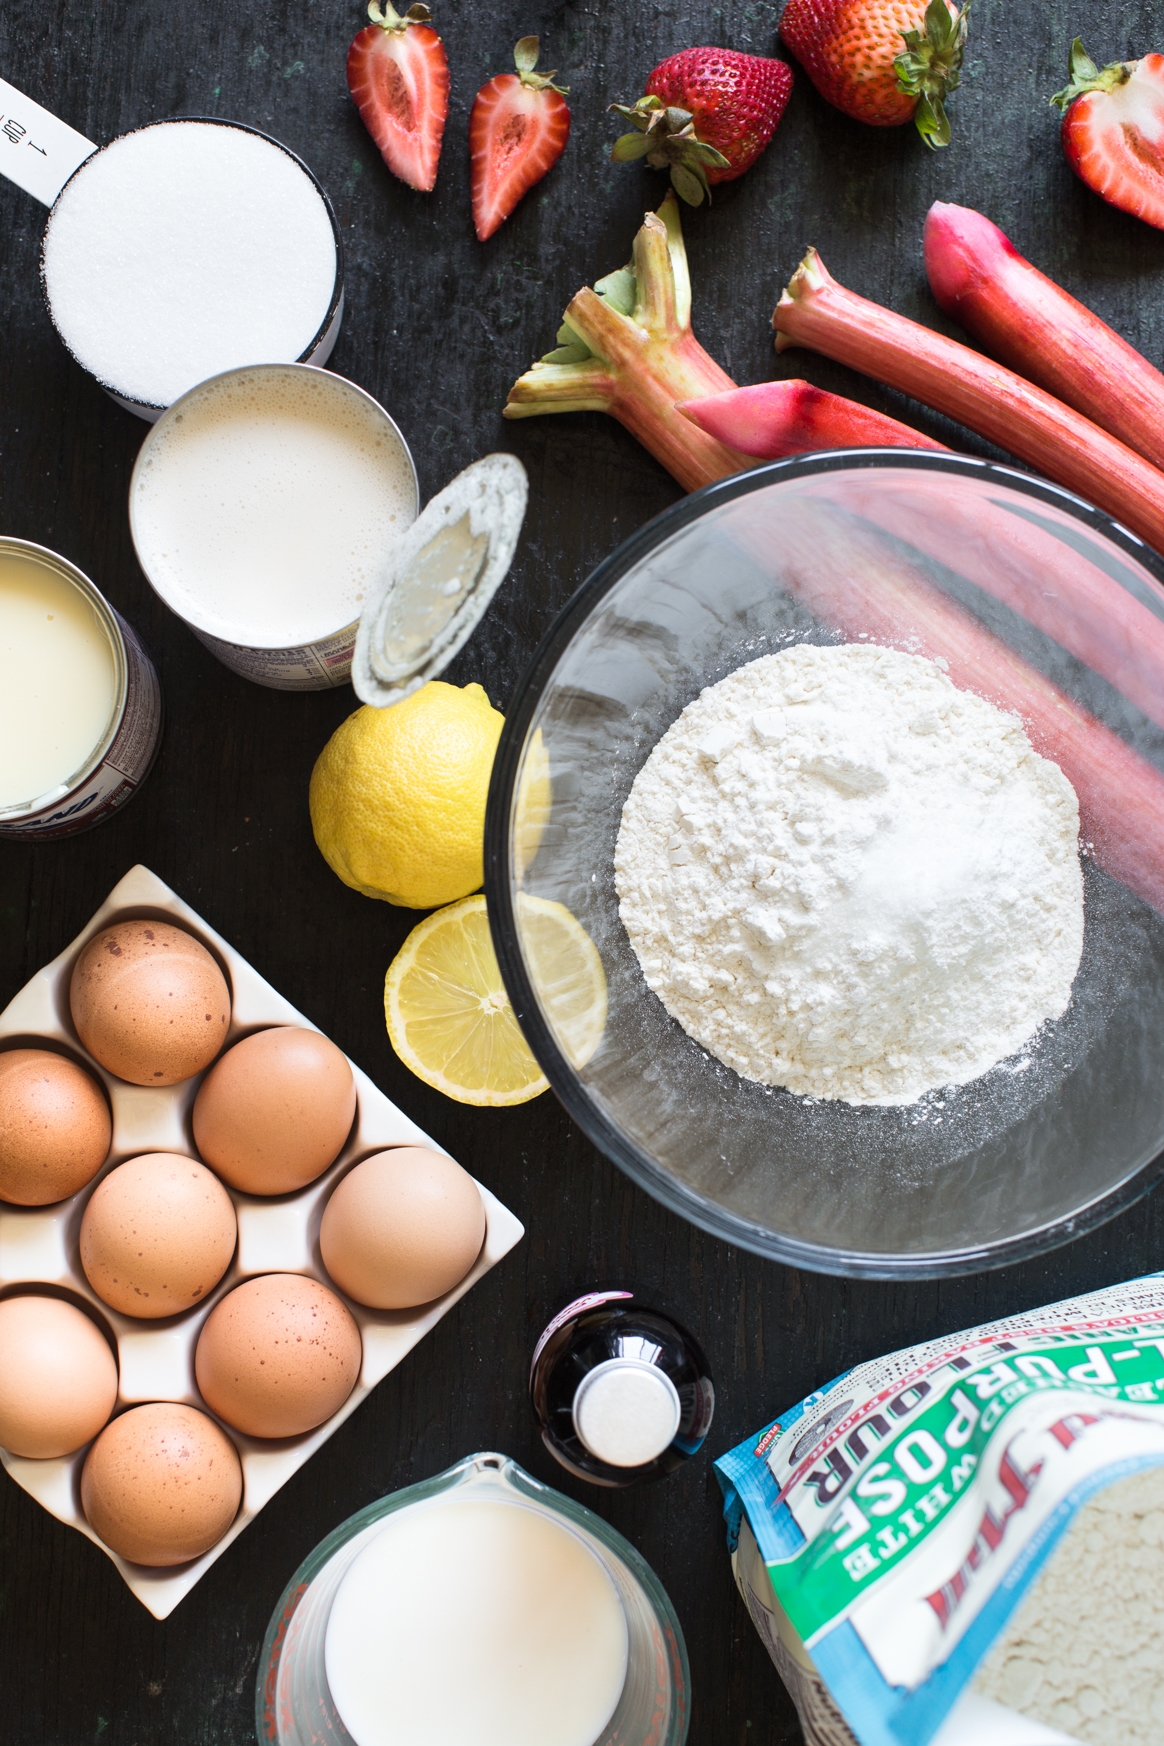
{"x":448,"y":1014}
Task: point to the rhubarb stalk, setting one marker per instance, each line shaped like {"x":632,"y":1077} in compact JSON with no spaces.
{"x":777,"y":419}
{"x":626,"y":347}
{"x":1040,"y":330}
{"x":864,"y":593}
{"x":816,"y":312}
{"x":1028,"y":568}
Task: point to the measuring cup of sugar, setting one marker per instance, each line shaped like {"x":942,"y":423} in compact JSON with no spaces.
{"x":263,"y":507}
{"x":479,"y":1606}
{"x":178,"y":250}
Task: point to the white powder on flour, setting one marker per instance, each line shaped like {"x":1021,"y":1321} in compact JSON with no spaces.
{"x":843,"y":875}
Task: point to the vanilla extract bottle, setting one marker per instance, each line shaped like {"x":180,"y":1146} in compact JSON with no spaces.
{"x":621,"y":1392}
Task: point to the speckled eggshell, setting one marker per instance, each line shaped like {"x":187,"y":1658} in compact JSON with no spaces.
{"x":403,"y":1227}
{"x":149,"y":1002}
{"x":275,"y":1111}
{"x":58,"y":1377}
{"x":161,"y":1484}
{"x":55,"y":1127}
{"x":278,"y":1355}
{"x":157,"y":1235}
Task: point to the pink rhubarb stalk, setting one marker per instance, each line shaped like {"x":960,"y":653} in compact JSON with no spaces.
{"x":818,"y":313}
{"x":1040,"y":330}
{"x":776,"y":419}
{"x":1086,"y":611}
{"x":626,"y":347}
{"x":845,"y":583}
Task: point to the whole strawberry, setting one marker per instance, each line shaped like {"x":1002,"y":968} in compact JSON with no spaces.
{"x":883,"y":62}
{"x":707,"y":114}
{"x":1113,"y":131}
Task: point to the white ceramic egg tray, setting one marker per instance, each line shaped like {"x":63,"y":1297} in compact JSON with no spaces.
{"x":39,"y":1245}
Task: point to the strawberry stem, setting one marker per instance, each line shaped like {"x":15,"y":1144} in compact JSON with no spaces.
{"x":931,"y":67}
{"x":525,"y":59}
{"x":626,"y":347}
{"x":666,"y":137}
{"x":1086,"y":76}
{"x":389,"y":19}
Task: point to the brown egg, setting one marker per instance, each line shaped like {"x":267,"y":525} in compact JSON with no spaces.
{"x":149,"y":1002}
{"x":402,"y":1228}
{"x":278,"y":1355}
{"x":58,"y":1377}
{"x":55,"y":1127}
{"x":161,"y":1484}
{"x":275,"y":1111}
{"x":157,"y":1235}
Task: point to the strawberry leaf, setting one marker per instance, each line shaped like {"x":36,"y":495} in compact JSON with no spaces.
{"x":1086,"y":76}
{"x":931,"y":66}
{"x":630,"y":146}
{"x":690,"y":184}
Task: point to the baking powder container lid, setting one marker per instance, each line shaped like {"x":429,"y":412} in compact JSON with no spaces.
{"x":444,"y":572}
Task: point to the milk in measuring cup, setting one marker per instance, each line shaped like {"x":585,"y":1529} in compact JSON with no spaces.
{"x":476,"y":1619}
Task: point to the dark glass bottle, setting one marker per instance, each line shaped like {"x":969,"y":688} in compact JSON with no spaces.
{"x":621,"y":1392}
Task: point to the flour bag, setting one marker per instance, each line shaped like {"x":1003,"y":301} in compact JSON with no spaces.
{"x":963,"y":1543}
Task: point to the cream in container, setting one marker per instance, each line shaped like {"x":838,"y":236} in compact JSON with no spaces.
{"x":265,"y":506}
{"x":186,"y":248}
{"x":80,"y":707}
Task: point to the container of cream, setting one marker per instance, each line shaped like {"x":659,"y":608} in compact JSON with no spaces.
{"x":80,"y":706}
{"x":264,"y":506}
{"x":479,"y":1605}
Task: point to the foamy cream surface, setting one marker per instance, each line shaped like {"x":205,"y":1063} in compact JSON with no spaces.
{"x":267,"y":505}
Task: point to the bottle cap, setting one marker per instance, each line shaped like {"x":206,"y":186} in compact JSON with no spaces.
{"x":626,"y":1412}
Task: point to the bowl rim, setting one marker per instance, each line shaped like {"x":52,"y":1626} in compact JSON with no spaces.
{"x":631,"y":1158}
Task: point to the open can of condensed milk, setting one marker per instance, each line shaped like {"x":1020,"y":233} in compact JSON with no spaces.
{"x":80,"y":705}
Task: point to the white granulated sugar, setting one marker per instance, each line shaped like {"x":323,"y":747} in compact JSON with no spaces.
{"x":185,"y":249}
{"x":843,"y":875}
{"x":1085,"y":1651}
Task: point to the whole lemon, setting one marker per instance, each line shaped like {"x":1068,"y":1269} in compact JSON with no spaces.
{"x":398,"y":796}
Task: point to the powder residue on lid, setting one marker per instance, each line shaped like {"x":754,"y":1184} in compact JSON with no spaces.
{"x":265,"y":507}
{"x":183,"y":249}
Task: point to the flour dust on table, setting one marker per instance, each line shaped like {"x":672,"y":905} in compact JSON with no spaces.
{"x":844,"y":876}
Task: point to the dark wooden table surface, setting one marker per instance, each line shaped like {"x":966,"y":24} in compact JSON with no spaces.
{"x":437,"y":326}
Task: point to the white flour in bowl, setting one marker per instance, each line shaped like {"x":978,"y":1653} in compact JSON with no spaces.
{"x":843,"y":875}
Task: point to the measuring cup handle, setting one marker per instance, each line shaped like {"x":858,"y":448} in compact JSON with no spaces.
{"x":37,"y":152}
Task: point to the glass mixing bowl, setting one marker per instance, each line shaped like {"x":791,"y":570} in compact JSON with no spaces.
{"x":1014,"y":583}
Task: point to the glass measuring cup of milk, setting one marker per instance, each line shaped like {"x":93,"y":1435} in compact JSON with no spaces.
{"x":479,"y":1606}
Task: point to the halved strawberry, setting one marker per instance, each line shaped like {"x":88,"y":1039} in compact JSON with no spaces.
{"x":398,"y":73}
{"x":1113,"y":131}
{"x":517,"y":131}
